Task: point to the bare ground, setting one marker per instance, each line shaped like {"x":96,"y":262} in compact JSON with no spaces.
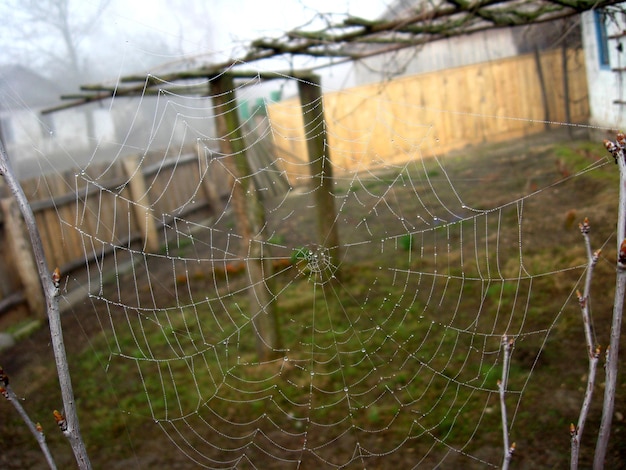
{"x":504,"y":172}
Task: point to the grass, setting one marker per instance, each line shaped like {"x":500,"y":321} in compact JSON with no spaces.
{"x":406,"y":242}
{"x":401,"y":351}
{"x":347,"y":355}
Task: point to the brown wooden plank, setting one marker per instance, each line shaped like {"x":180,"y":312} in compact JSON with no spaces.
{"x":465,"y":105}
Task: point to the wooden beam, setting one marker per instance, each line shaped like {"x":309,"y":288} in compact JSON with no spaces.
{"x":321,"y":167}
{"x":250,"y":215}
{"x":452,"y":18}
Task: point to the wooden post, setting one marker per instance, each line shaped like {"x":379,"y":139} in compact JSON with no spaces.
{"x":544,"y":91}
{"x":321,"y":169}
{"x":22,"y":254}
{"x":207,"y":181}
{"x":141,"y":205}
{"x":250,"y":215}
{"x":565,"y":69}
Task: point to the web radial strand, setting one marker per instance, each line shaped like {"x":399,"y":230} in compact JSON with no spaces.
{"x":389,"y":344}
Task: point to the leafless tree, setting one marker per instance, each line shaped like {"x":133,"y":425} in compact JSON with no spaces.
{"x":49,"y":34}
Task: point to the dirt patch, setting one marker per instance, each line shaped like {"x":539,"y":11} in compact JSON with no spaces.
{"x":482,"y":178}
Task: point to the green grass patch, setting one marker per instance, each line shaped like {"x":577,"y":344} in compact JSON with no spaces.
{"x":403,"y":346}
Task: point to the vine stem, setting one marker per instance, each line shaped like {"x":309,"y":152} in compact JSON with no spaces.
{"x":593,"y":353}
{"x":69,"y":424}
{"x":608,"y":406}
{"x":507,"y":347}
{"x":35,"y":429}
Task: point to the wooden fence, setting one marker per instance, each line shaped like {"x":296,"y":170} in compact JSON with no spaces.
{"x":433,"y":113}
{"x":82,"y":215}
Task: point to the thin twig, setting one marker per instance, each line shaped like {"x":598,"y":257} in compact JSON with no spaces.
{"x":617,"y":149}
{"x":50,"y":287}
{"x":593,"y":352}
{"x":35,"y":429}
{"x":611,"y":369}
{"x":507,"y":347}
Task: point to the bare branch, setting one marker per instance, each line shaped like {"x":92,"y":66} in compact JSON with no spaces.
{"x":593,"y":352}
{"x":355,"y":38}
{"x":507,"y":349}
{"x":35,"y":429}
{"x":51,"y":291}
{"x":617,"y":149}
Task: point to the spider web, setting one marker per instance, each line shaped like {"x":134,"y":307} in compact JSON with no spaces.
{"x":389,"y":354}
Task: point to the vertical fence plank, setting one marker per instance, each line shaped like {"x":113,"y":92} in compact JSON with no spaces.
{"x":206,"y":179}
{"x":141,"y":207}
{"x":72,"y":246}
{"x":22,"y":255}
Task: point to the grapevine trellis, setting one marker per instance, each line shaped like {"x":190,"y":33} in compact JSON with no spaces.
{"x":353,"y":39}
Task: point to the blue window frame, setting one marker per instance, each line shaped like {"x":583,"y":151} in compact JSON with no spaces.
{"x":602,"y":38}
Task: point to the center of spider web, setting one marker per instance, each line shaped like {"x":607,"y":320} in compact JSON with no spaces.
{"x":315,"y":262}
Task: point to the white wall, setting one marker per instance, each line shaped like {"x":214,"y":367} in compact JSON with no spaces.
{"x":67,"y":140}
{"x":605,"y":84}
{"x":438,"y":55}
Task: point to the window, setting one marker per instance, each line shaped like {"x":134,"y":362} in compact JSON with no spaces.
{"x":600,"y":17}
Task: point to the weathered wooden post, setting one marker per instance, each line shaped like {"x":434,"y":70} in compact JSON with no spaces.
{"x":310,"y":91}
{"x":566,"y":98}
{"x":207,"y":180}
{"x":23,"y":258}
{"x":544,"y":90}
{"x":141,"y":207}
{"x":250,"y":214}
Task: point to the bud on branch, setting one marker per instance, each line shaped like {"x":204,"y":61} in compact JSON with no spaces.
{"x":60,"y":419}
{"x":56,"y":277}
{"x":621,"y":257}
{"x":584,"y":226}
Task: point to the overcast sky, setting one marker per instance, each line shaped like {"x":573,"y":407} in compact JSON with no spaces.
{"x":233,"y":20}
{"x":138,"y":36}
{"x":134,"y":36}
{"x":195,"y":27}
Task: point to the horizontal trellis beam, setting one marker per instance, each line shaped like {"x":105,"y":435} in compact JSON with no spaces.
{"x":352,"y":39}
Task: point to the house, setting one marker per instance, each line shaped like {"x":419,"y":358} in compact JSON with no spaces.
{"x":27,"y":134}
{"x":604,"y":40}
{"x":22,"y":93}
{"x":73,"y":138}
{"x":457,"y":51}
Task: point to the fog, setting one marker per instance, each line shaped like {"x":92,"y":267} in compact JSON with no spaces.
{"x":51,"y":47}
{"x":99,"y":39}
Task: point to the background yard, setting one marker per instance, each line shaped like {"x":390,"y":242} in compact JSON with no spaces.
{"x":406,"y":314}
